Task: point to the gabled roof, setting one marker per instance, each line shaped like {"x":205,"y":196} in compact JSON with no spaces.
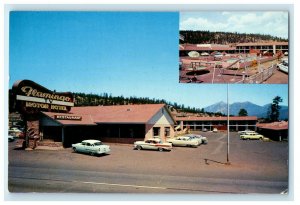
{"x":118,"y":114}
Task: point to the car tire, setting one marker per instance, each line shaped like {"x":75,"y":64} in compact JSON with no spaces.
{"x":160,"y":149}
{"x":74,"y":149}
{"x":139,"y":147}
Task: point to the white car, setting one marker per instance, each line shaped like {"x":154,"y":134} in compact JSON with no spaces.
{"x":14,"y":129}
{"x":251,"y":136}
{"x":183,"y":141}
{"x":200,"y":138}
{"x":91,"y":147}
{"x":247,"y":132}
{"x":152,"y":144}
{"x":11,"y":138}
{"x":284,"y":65}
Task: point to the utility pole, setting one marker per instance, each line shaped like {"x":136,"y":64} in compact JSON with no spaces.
{"x":228,"y":163}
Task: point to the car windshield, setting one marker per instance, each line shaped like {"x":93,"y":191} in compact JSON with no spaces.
{"x":97,"y":143}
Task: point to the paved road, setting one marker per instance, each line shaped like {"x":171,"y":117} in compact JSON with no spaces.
{"x":62,"y":180}
{"x":256,"y":167}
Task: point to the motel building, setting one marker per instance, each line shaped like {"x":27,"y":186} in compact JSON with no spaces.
{"x":184,"y":49}
{"x":236,"y":123}
{"x":277,"y":131}
{"x":118,"y":124}
{"x":52,"y":120}
{"x":245,"y":48}
{"x":273,"y":47}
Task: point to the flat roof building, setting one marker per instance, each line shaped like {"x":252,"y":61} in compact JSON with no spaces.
{"x":272,"y":46}
{"x":237,"y":123}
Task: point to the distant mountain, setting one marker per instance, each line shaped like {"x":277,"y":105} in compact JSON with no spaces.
{"x":217,"y":107}
{"x":252,"y":109}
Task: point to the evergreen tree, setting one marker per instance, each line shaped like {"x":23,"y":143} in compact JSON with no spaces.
{"x":274,"y":109}
{"x":243,"y":112}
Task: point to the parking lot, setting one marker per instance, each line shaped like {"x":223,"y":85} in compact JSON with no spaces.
{"x":251,"y":161}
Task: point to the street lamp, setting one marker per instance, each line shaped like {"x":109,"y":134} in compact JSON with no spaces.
{"x":228,"y":163}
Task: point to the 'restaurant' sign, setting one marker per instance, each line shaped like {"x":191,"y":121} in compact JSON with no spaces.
{"x":32,"y":98}
{"x":67,"y":117}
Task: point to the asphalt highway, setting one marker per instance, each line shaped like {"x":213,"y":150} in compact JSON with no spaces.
{"x":256,"y":167}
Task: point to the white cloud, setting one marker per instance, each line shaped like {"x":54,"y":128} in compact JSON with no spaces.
{"x":201,"y":24}
{"x":273,"y":23}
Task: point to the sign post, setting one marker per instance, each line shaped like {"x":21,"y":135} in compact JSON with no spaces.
{"x":32,"y":98}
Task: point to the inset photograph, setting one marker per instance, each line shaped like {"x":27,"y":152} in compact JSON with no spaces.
{"x":233,"y":47}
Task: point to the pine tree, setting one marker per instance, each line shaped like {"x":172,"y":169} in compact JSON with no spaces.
{"x":275,"y":108}
{"x":243,"y":112}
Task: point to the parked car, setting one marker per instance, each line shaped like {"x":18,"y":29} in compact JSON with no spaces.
{"x":204,"y":130}
{"x":251,"y":136}
{"x":284,"y":65}
{"x":11,"y":138}
{"x":91,"y":147}
{"x":215,"y":130}
{"x":183,"y":141}
{"x":200,"y":138}
{"x":153,"y":144}
{"x":14,"y":131}
{"x":246,"y":132}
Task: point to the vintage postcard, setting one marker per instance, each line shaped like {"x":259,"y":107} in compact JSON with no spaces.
{"x":96,"y":104}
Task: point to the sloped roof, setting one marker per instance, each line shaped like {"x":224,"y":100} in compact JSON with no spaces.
{"x":139,"y":114}
{"x":86,"y":119}
{"x":120,"y":113}
{"x":283,"y":125}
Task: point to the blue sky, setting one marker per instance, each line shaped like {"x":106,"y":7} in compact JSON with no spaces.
{"x":120,"y":53}
{"x":274,"y":23}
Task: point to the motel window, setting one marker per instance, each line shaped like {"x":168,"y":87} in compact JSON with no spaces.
{"x":167,"y":131}
{"x":156,"y":131}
